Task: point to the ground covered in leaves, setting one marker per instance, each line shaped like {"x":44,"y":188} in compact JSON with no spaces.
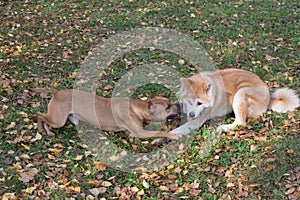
{"x":43,"y":43}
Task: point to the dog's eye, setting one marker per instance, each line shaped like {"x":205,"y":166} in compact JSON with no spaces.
{"x":199,"y":103}
{"x":168,"y":107}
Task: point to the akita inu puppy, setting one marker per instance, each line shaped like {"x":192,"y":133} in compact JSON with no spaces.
{"x":210,"y":94}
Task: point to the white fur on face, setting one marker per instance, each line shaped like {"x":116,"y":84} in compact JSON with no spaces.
{"x":191,"y":105}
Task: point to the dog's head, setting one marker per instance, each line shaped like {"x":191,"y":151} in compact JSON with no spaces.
{"x":195,"y":93}
{"x":161,"y":108}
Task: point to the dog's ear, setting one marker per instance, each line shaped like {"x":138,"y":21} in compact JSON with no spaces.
{"x":186,"y":81}
{"x":208,"y":87}
{"x":151,"y":106}
{"x":151,"y":95}
{"x":183,"y":81}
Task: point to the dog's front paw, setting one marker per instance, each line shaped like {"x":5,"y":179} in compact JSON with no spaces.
{"x":225,"y":128}
{"x":175,"y":136}
{"x":174,"y":131}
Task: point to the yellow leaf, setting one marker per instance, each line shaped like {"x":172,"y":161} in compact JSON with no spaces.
{"x":164,"y":188}
{"x":78,"y":157}
{"x":30,"y":126}
{"x":87,"y":153}
{"x":25,"y":147}
{"x":106,"y":183}
{"x":17,"y":166}
{"x":19,"y":49}
{"x":170,"y":166}
{"x":74,"y":74}
{"x":100,"y":166}
{"x":12,"y":124}
{"x":51,"y":157}
{"x":179,"y":190}
{"x":141,"y":192}
{"x":30,"y":190}
{"x":24,"y":157}
{"x":55,"y":84}
{"x":23,"y":114}
{"x":91,"y":182}
{"x":77,"y":189}
{"x":9,"y":196}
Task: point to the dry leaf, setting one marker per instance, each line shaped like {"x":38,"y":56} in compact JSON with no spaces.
{"x":146,"y":184}
{"x":106,"y":183}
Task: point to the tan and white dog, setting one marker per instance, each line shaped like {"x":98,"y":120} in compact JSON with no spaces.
{"x":111,"y":114}
{"x":216,"y":93}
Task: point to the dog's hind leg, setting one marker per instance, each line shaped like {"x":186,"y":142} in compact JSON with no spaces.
{"x":248,"y":102}
{"x":240,"y":109}
{"x":56,"y":120}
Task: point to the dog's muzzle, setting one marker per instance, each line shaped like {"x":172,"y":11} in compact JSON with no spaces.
{"x":177,"y":112}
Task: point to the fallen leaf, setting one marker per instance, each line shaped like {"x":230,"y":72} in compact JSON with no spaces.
{"x":141,"y":192}
{"x":269,"y":58}
{"x":172,"y":177}
{"x":95,"y":192}
{"x":38,"y":136}
{"x":134,"y":189}
{"x":146,"y":184}
{"x":230,"y":185}
{"x":261,"y":139}
{"x":100,"y":166}
{"x":78,"y":157}
{"x":164,"y":188}
{"x":194,"y":185}
{"x":181,"y":62}
{"x":106,"y":183}
{"x":290,"y":191}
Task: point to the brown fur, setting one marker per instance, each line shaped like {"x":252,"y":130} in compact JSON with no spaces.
{"x":111,"y":114}
{"x":210,"y":94}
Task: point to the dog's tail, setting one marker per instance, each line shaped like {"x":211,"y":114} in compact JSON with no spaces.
{"x":43,"y":90}
{"x":284,"y":100}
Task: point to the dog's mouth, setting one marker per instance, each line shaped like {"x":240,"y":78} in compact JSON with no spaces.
{"x":189,"y":118}
{"x":174,"y":116}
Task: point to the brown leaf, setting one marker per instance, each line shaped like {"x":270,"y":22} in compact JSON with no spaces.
{"x":263,"y":130}
{"x":164,"y":188}
{"x":270,"y":168}
{"x":261,"y":139}
{"x":25,"y":178}
{"x":269,"y":58}
{"x":290,"y":191}
{"x":172,"y":177}
{"x":100,"y":166}
{"x":108,"y":87}
{"x":173,"y":187}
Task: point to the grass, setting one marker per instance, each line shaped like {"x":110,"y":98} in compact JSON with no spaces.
{"x":44,"y":43}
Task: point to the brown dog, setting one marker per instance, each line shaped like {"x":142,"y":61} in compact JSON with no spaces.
{"x":110,"y":114}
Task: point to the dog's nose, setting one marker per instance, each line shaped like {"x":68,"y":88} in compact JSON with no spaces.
{"x":192,"y":114}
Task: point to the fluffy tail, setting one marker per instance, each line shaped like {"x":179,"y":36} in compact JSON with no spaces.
{"x":44,"y":91}
{"x":284,"y":100}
